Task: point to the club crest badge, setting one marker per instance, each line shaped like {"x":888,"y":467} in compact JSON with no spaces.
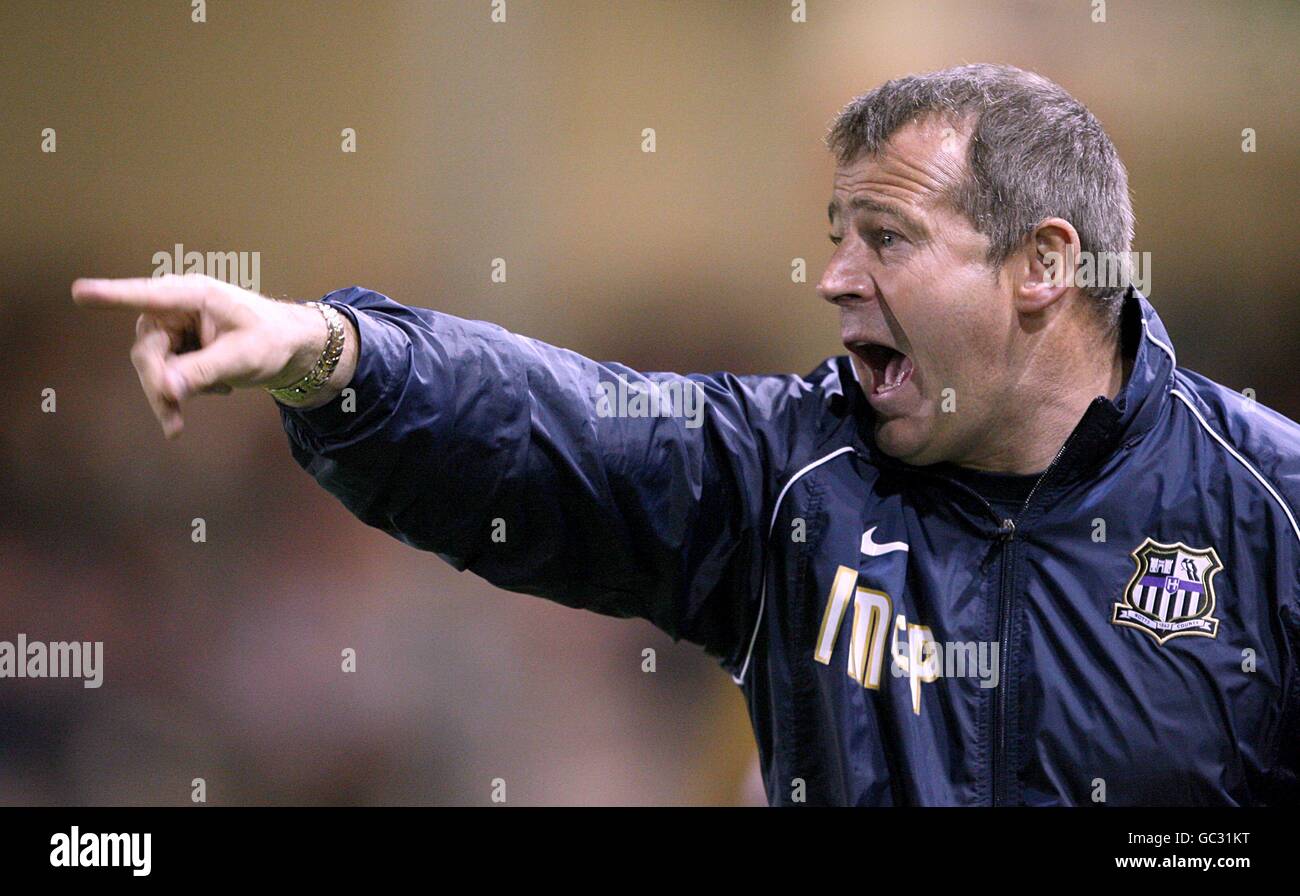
{"x":1171,"y":593}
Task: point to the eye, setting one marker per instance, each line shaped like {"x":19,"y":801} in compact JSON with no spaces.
{"x":886,"y":238}
{"x":836,"y":240}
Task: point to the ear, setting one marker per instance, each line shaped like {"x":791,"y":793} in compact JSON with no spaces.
{"x":1045,"y":265}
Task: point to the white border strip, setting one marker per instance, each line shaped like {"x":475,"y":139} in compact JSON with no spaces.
{"x":1268,"y":486}
{"x":762,"y":600}
{"x":1146,"y":331}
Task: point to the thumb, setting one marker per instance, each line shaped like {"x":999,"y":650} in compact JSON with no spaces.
{"x":197,"y":371}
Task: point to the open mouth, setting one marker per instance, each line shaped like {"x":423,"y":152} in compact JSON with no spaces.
{"x":890,"y":368}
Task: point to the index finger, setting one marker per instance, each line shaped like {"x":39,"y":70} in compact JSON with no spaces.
{"x":169,"y":293}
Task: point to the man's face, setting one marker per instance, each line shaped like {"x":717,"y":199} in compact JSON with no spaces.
{"x":921,"y":311}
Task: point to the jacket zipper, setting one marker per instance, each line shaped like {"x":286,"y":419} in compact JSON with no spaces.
{"x":1007,"y":535}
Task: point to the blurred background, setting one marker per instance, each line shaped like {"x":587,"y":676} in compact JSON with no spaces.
{"x":477,"y":140}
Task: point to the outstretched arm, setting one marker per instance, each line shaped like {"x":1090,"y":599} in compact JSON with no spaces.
{"x":527,"y":464}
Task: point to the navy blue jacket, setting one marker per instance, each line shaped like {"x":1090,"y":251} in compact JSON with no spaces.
{"x":1128,"y":636}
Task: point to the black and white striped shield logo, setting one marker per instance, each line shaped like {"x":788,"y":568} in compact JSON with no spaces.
{"x":1171,"y":592}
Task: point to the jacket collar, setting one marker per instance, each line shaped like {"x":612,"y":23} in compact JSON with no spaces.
{"x":1109,"y":425}
{"x":1146,"y":393}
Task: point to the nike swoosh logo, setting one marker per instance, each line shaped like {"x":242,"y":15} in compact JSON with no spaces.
{"x":873,"y":549}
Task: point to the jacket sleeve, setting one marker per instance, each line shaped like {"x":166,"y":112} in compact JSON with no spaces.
{"x":515,"y":460}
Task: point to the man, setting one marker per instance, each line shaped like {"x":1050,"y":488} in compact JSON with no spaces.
{"x":1005,"y":552}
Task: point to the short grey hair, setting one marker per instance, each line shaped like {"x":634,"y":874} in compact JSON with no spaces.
{"x":1035,"y":152}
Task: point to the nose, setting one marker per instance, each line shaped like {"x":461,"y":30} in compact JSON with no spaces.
{"x":844,"y":277}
